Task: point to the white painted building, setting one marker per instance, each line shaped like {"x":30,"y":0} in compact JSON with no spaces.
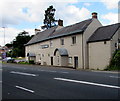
{"x":75,"y":45}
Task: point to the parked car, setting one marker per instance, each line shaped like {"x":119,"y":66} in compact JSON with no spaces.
{"x":8,"y":60}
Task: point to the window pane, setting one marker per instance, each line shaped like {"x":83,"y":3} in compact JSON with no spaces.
{"x":70,"y":60}
{"x":74,"y":40}
{"x":62,"y":41}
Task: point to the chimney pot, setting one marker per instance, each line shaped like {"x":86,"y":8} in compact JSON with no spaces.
{"x":60,"y":22}
{"x":94,"y":15}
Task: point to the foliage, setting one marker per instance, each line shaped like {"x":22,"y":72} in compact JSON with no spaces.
{"x":18,"y":48}
{"x":8,"y":54}
{"x":31,"y":61}
{"x":9,"y":45}
{"x":115,"y":61}
{"x":23,"y":63}
{"x":49,"y":20}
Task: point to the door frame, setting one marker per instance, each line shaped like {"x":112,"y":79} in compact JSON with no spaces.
{"x":51,"y":58}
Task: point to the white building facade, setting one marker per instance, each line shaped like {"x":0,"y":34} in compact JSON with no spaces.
{"x":68,"y":46}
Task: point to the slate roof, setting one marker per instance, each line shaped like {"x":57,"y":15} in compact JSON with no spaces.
{"x":78,"y":27}
{"x":41,"y":35}
{"x":65,"y":31}
{"x":104,"y":33}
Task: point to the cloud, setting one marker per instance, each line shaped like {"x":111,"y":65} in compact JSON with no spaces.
{"x":15,"y":13}
{"x":11,"y":33}
{"x":111,"y":17}
{"x":110,"y":4}
{"x":71,"y":14}
{"x":87,"y":4}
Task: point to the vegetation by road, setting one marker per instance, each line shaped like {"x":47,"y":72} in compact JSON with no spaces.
{"x":115,"y":61}
{"x":17,"y":45}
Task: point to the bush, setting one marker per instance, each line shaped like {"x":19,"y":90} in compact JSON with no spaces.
{"x":115,"y":61}
{"x":23,"y":63}
{"x":31,"y":62}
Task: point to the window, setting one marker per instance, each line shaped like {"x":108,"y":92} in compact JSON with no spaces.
{"x":118,"y":40}
{"x":115,"y":44}
{"x":40,"y":56}
{"x":70,"y":60}
{"x":44,"y":46}
{"x":73,"y":39}
{"x":62,"y":41}
{"x":105,"y":42}
{"x":58,"y":59}
{"x":51,"y":43}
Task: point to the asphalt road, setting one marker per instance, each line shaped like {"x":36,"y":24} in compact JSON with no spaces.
{"x":37,"y":82}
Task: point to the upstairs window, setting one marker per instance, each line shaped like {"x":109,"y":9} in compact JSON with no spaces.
{"x":62,"y":41}
{"x":51,"y":43}
{"x":105,"y":42}
{"x":73,"y":39}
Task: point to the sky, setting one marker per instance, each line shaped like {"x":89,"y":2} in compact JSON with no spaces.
{"x":19,"y":15}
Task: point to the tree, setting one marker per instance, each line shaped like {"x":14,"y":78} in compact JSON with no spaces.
{"x":18,"y":48}
{"x":49,"y":20}
{"x":9,"y":45}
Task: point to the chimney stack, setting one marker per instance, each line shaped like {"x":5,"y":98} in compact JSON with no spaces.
{"x":94,"y":15}
{"x":60,"y":22}
{"x":37,"y":30}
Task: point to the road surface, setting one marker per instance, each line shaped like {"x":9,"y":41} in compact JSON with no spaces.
{"x":38,"y":82}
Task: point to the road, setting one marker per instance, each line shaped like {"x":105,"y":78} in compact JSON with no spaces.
{"x":38,"y":82}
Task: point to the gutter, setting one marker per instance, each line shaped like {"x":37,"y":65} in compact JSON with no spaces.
{"x":82,"y":53}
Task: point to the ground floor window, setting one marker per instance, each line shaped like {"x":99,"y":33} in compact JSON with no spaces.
{"x":70,"y":60}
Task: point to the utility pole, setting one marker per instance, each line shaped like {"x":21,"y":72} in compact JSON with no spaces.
{"x":4,"y":35}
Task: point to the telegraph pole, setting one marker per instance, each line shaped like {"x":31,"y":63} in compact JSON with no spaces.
{"x":4,"y":35}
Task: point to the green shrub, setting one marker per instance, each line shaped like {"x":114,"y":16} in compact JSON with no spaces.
{"x":24,"y":63}
{"x":115,"y":61}
{"x":31,"y":62}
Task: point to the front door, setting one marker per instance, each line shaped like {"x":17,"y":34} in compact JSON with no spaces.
{"x":51,"y":60}
{"x":75,"y":62}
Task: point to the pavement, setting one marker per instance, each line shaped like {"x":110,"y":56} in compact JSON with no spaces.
{"x":42,"y":82}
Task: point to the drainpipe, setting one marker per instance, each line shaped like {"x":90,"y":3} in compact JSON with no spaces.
{"x":82,"y":53}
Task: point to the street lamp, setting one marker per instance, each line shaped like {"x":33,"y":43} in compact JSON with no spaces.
{"x":4,"y":35}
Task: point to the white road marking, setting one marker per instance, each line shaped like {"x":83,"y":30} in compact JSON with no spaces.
{"x":0,"y":69}
{"x":0,"y":81}
{"x":64,"y":72}
{"x":89,"y":83}
{"x":21,"y":73}
{"x":47,"y":71}
{"x":114,"y":77}
{"x":53,"y":71}
{"x":25,"y":89}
